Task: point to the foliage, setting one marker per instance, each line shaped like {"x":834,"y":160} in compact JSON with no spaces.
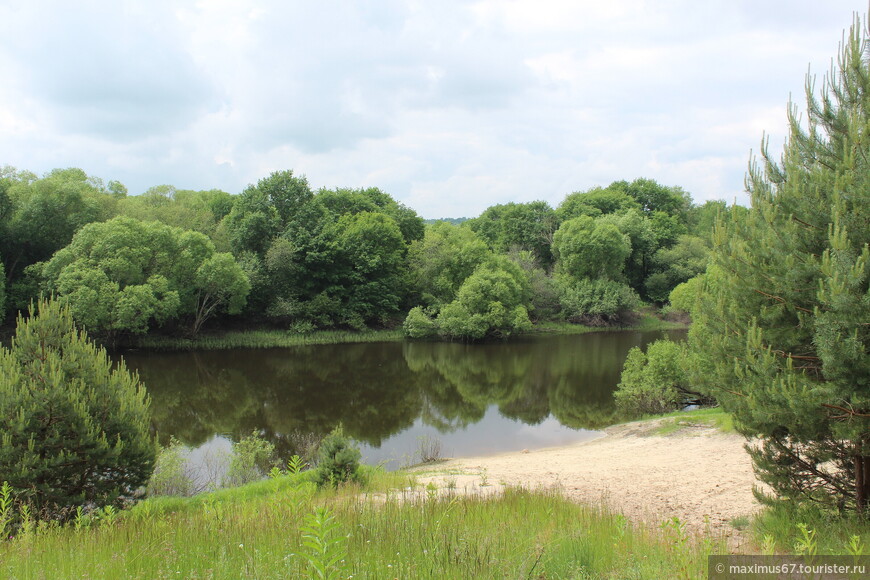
{"x":675,"y":265}
{"x":655,"y":382}
{"x":2,"y":292}
{"x":324,"y":545}
{"x":75,"y":427}
{"x":595,"y":202}
{"x":685,"y":296}
{"x":170,"y":476}
{"x":123,"y":275}
{"x":419,"y":325}
{"x":597,"y":301}
{"x":589,"y":248}
{"x":250,"y":460}
{"x":782,"y":327}
{"x":443,"y":260}
{"x":338,"y":461}
{"x":492,"y":302}
{"x":526,"y":226}
{"x":41,"y":216}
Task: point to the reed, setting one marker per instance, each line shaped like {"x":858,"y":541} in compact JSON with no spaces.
{"x":267,"y":339}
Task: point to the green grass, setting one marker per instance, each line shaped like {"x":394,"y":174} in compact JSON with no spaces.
{"x":267,"y":339}
{"x":678,"y":420}
{"x":794,"y":528}
{"x":286,"y":528}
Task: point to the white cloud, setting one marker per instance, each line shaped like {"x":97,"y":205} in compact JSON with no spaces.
{"x":449,"y":106}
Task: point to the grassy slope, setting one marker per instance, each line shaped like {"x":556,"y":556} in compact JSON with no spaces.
{"x":392,"y":528}
{"x":257,"y":531}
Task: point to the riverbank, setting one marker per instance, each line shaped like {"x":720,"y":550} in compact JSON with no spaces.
{"x":274,"y":338}
{"x":650,"y":471}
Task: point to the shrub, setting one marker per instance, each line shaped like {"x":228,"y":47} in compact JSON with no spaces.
{"x":338,"y":460}
{"x":169,"y":476}
{"x":419,"y":325}
{"x":250,"y":460}
{"x":75,"y":427}
{"x":597,"y":301}
{"x":656,"y":382}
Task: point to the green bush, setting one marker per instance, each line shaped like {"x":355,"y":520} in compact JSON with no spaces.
{"x":250,"y":461}
{"x":418,"y":325}
{"x":597,"y":301}
{"x":338,"y":460}
{"x":169,"y":476}
{"x":74,"y":427}
{"x":656,"y":382}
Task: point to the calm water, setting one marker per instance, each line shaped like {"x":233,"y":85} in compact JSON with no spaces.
{"x":472,"y":399}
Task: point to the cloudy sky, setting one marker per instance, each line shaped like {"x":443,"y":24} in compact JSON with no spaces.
{"x":449,"y":106}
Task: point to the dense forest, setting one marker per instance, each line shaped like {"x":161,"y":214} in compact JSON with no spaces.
{"x":284,"y":256}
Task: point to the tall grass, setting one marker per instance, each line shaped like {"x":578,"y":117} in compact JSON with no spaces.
{"x":267,"y":339}
{"x":286,"y":528}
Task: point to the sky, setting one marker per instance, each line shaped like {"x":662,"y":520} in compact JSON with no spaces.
{"x":448,"y":106}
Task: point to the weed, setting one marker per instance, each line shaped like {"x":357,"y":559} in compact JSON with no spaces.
{"x":324,"y":545}
{"x":5,"y":509}
{"x":295,"y":465}
{"x":429,"y":448}
{"x":806,"y":545}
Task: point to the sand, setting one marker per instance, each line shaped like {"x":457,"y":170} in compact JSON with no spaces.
{"x":697,"y":474}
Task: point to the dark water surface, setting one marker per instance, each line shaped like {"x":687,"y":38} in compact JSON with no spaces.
{"x":391,"y":397}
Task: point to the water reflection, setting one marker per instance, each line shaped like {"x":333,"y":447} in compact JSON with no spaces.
{"x":475,"y":398}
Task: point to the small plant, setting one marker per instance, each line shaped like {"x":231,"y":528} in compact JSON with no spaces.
{"x":338,"y":460}
{"x":108,"y":515}
{"x":806,"y":545}
{"x":5,"y":509}
{"x":855,"y":547}
{"x":295,"y":464}
{"x":249,"y":461}
{"x":430,"y":449}
{"x":324,"y":545}
{"x":170,"y":476}
{"x":739,"y":523}
{"x":484,"y":478}
{"x":275,"y":472}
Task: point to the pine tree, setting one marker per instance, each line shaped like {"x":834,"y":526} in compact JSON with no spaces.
{"x":74,"y":428}
{"x":783,"y":327}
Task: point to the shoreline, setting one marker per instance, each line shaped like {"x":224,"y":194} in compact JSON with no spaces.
{"x":697,"y":473}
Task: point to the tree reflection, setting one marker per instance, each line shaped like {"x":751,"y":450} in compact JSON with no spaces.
{"x":378,"y":390}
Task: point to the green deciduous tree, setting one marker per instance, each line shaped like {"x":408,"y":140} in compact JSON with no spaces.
{"x":492,"y":302}
{"x":123,"y":276}
{"x":783,"y":327}
{"x":74,"y":426}
{"x":442,"y":260}
{"x":588,"y":248}
{"x":527,"y":226}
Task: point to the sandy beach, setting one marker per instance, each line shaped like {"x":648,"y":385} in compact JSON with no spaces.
{"x":697,"y":474}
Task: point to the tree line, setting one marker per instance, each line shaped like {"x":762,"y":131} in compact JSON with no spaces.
{"x":280,"y":254}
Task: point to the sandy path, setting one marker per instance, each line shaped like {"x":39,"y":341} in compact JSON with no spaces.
{"x":697,"y":474}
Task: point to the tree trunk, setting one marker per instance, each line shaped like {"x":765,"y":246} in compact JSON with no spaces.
{"x":862,"y":482}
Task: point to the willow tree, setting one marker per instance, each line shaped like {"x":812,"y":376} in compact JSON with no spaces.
{"x":783,"y":329}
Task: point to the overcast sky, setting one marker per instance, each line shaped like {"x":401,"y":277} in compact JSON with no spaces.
{"x":449,"y":106}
